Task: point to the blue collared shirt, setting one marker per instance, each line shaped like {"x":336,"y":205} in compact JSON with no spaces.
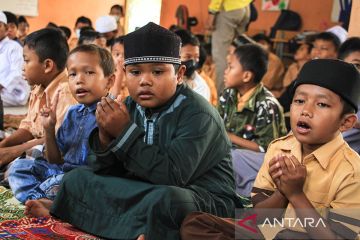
{"x":72,"y":136}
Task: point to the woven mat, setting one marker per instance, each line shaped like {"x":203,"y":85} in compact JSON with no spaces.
{"x":14,"y":225}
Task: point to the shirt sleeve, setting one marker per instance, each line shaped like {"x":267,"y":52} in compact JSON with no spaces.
{"x":215,"y":6}
{"x":65,"y":101}
{"x":61,"y":134}
{"x":263,"y":182}
{"x":26,"y":122}
{"x":270,"y":123}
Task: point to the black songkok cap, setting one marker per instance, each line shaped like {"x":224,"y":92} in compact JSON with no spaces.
{"x":338,"y":76}
{"x":151,"y":44}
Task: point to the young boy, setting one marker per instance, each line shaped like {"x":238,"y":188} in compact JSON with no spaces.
{"x":117,"y":51}
{"x":313,"y":167}
{"x":326,"y":45}
{"x":45,"y":54}
{"x":252,"y":116}
{"x":161,"y":154}
{"x":91,"y":74}
{"x":310,"y":168}
{"x":350,"y":52}
{"x":273,"y":78}
{"x":189,"y":56}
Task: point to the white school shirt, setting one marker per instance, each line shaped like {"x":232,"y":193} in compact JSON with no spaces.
{"x":16,"y":90}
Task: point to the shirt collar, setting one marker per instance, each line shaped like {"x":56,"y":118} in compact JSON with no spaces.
{"x":242,"y":100}
{"x":39,"y":90}
{"x":323,"y":154}
{"x":251,"y":101}
{"x":90,"y":108}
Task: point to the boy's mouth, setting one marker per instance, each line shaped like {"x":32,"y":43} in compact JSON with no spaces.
{"x":303,"y":127}
{"x":145,"y":95}
{"x":81,"y":92}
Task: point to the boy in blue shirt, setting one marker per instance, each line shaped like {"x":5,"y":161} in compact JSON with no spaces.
{"x":91,"y":74}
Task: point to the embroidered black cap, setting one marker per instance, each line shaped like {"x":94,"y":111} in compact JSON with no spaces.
{"x":152,"y":43}
{"x":338,"y":76}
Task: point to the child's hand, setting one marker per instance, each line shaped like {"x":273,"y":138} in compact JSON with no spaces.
{"x":292,"y":177}
{"x":275,"y":170}
{"x":48,"y":112}
{"x":112,"y":116}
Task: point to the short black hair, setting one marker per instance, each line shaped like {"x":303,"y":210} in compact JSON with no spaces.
{"x":52,"y":25}
{"x":187,"y":38}
{"x":261,"y":37}
{"x":11,"y":18}
{"x":253,"y":58}
{"x":66,"y":31}
{"x":347,"y":107}
{"x":349,"y":46}
{"x":119,"y":40}
{"x":87,"y":35}
{"x":330,"y":37}
{"x":22,"y":19}
{"x":106,"y":61}
{"x":83,"y":19}
{"x":49,"y":43}
{"x":118,"y":7}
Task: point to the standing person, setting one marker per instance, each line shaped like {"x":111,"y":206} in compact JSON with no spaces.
{"x":160,"y":155}
{"x":226,"y":20}
{"x":117,"y":52}
{"x":67,"y":148}
{"x":13,"y":88}
{"x":118,"y":12}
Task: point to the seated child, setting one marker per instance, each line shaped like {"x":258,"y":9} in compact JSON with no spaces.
{"x":350,"y":52}
{"x":117,"y":51}
{"x":302,"y":56}
{"x":326,"y":45}
{"x":310,"y":168}
{"x":273,"y":78}
{"x":45,"y":54}
{"x":160,"y":155}
{"x":252,"y":115}
{"x":189,"y":55}
{"x":91,"y":74}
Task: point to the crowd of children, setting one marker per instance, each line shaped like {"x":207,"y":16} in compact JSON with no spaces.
{"x":128,"y":139}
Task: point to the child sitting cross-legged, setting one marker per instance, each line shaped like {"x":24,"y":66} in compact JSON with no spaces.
{"x":91,"y":74}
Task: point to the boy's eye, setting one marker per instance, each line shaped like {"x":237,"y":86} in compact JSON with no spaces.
{"x":298,"y":101}
{"x":135,"y":72}
{"x":323,"y":105}
{"x":157,"y":72}
{"x":72,"y":74}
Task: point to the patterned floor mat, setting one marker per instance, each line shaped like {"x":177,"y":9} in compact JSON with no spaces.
{"x":14,"y":225}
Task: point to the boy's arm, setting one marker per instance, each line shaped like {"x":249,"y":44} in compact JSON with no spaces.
{"x":193,"y":149}
{"x":293,"y":175}
{"x":18,"y":137}
{"x":8,"y":154}
{"x":243,"y":143}
{"x":52,"y":152}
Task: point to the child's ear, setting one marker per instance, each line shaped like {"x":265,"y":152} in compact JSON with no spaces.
{"x":111,"y":81}
{"x":179,"y":76}
{"x":49,"y":65}
{"x":348,"y":122}
{"x":247,"y":76}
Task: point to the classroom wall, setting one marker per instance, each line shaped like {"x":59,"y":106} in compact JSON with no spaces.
{"x":65,"y":12}
{"x":354,"y":29}
{"x":316,"y":14}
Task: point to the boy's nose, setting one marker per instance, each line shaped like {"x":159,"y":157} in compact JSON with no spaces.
{"x":145,"y":80}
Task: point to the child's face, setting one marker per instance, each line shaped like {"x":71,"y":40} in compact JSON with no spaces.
{"x":354,"y":58}
{"x":315,"y":115}
{"x":33,"y":69}
{"x":323,"y":49}
{"x":190,"y":52}
{"x":117,"y":51}
{"x":86,"y":77}
{"x":3,"y":30}
{"x":151,"y":85}
{"x":302,"y":53}
{"x":12,"y":30}
{"x":233,"y":76}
